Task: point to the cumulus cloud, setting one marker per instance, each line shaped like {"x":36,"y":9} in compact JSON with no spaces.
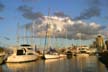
{"x":1,"y":7}
{"x":24,"y":8}
{"x":30,"y":0}
{"x":105,"y":32}
{"x":72,"y":29}
{"x":32,"y":15}
{"x":7,"y":38}
{"x":29,"y":14}
{"x":94,"y":2}
{"x":89,"y":13}
{"x":86,"y":31}
{"x":60,"y":14}
{"x":93,"y":10}
{"x":1,"y":18}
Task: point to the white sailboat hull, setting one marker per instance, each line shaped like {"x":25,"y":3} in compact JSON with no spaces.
{"x":62,"y":55}
{"x":48,"y":56}
{"x":82,"y":54}
{"x":21,"y":58}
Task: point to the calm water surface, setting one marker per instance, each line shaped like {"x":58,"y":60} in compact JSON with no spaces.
{"x":76,"y":64}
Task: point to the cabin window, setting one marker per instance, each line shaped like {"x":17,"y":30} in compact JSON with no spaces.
{"x":30,"y":54}
{"x":20,"y":52}
{"x":30,"y":48}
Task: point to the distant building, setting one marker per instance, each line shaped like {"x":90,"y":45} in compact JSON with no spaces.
{"x":100,"y":43}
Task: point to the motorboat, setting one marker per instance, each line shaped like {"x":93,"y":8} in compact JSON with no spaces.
{"x":24,"y":53}
{"x":2,"y":57}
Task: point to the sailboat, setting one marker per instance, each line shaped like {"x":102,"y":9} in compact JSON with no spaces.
{"x":48,"y":55}
{"x":22,"y":53}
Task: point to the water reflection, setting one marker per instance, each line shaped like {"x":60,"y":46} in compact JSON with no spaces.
{"x":22,"y":67}
{"x":1,"y":69}
{"x":76,"y":64}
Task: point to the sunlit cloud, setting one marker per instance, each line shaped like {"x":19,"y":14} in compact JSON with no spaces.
{"x":70,"y":29}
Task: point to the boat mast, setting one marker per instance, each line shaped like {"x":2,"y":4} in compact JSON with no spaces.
{"x":47,"y":25}
{"x":17,"y":37}
{"x":25,"y":35}
{"x":32,"y":33}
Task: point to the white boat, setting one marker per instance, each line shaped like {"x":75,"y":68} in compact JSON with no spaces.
{"x":83,"y":54}
{"x":62,"y":55}
{"x":52,"y":55}
{"x":49,"y":56}
{"x":2,"y":57}
{"x":22,"y":54}
{"x":23,"y":67}
{"x":83,"y":49}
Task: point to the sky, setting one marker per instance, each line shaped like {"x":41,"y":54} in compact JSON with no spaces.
{"x":81,"y":15}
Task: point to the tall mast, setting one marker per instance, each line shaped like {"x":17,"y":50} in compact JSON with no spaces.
{"x":17,"y":37}
{"x":49,"y":32}
{"x":25,"y":35}
{"x":80,"y":39}
{"x":47,"y":25}
{"x":32,"y":32}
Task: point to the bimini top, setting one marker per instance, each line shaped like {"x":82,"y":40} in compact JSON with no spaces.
{"x":25,"y":45}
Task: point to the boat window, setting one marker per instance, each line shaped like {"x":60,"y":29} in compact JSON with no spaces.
{"x":30,"y":54}
{"x":30,"y":48}
{"x":10,"y":52}
{"x":20,"y":52}
{"x":25,"y":45}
